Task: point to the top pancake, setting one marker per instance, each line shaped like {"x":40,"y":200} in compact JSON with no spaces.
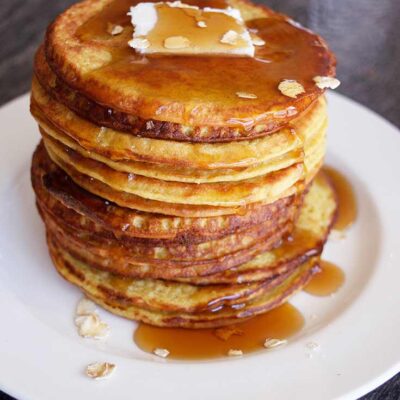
{"x":185,"y":98}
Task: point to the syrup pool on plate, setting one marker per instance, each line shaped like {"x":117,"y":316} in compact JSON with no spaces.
{"x":327,"y":281}
{"x":197,"y":344}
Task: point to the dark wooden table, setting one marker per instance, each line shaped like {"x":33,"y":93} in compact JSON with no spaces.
{"x":364,"y":35}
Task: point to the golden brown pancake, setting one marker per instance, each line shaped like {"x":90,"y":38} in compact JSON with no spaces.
{"x":108,"y":260}
{"x":180,"y":92}
{"x":232,"y":263}
{"x":132,"y":201}
{"x":226,"y":316}
{"x":132,"y":251}
{"x":88,"y":213}
{"x":248,"y":157}
{"x":266,"y":188}
{"x":307,"y":239}
{"x":160,"y":295}
{"x":58,"y":120}
{"x":187,"y":175}
{"x":311,"y":128}
{"x":99,"y":286}
{"x":98,"y":114}
{"x":314,"y":144}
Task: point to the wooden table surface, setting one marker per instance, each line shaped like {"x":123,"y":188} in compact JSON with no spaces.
{"x":364,"y":35}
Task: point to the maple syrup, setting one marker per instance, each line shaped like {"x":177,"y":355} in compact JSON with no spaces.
{"x":197,"y":344}
{"x":347,"y":205}
{"x":298,"y":241}
{"x":327,"y":281}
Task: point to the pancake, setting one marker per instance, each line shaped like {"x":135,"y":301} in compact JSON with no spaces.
{"x":184,"y":175}
{"x":311,"y":128}
{"x":307,"y":239}
{"x":186,"y":91}
{"x":164,"y":268}
{"x":89,"y":213}
{"x":115,"y":249}
{"x":112,"y":297}
{"x":130,"y":200}
{"x":227,"y":316}
{"x":265,"y":188}
{"x":60,"y":123}
{"x":56,"y":120}
{"x":159,"y":295}
{"x":317,"y":215}
{"x":314,"y":150}
{"x":100,"y":115}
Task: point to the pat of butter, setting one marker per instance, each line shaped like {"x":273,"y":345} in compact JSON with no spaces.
{"x":177,"y":28}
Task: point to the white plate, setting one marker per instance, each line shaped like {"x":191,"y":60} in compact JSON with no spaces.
{"x":358,"y":329}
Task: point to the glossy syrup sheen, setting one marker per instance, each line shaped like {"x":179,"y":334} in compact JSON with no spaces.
{"x":297,"y":241}
{"x":347,"y":204}
{"x":327,"y":281}
{"x":290,"y":52}
{"x":197,"y":344}
{"x":200,"y":38}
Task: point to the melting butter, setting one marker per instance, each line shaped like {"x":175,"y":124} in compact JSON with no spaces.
{"x":178,"y":28}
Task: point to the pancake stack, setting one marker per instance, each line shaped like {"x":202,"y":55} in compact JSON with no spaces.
{"x":170,"y":195}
